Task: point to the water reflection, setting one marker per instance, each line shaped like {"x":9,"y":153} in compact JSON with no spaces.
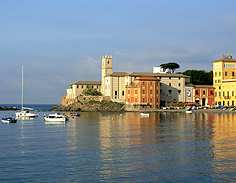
{"x":164,"y":146}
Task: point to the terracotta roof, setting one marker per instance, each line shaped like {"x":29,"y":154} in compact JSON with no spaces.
{"x":147,"y":78}
{"x":203,"y":86}
{"x":87,"y":83}
{"x":118,"y":74}
{"x":157,"y":74}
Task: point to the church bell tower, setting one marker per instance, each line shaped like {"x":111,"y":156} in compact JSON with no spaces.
{"x":106,"y":69}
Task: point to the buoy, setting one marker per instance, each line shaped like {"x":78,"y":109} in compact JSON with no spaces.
{"x":105,"y":116}
{"x":112,"y":119}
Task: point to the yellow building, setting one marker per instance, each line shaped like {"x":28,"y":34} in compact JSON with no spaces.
{"x":224,"y":81}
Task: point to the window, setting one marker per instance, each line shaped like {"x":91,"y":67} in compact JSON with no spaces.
{"x":143,"y":91}
{"x":223,"y":93}
{"x":143,"y":99}
{"x":219,"y":94}
{"x":227,"y":93}
{"x":215,"y":94}
{"x":215,"y":73}
{"x":223,"y":102}
{"x":136,"y":99}
{"x":204,"y":92}
{"x":77,"y":86}
{"x":169,"y":77}
{"x":150,"y":106}
{"x":169,"y":84}
{"x":160,"y":84}
{"x":229,"y":65}
{"x":232,"y":73}
{"x":219,"y":87}
{"x":179,"y":84}
{"x":150,"y":100}
{"x":215,"y":81}
{"x":143,"y":83}
{"x":232,"y":102}
{"x":159,"y":77}
{"x":218,"y":65}
{"x":115,"y":92}
{"x":197,"y":92}
{"x":128,"y":91}
{"x":128,"y":99}
{"x":232,"y":93}
{"x":211,"y":92}
{"x":219,"y":81}
{"x":136,"y":91}
{"x":179,"y":78}
{"x":82,"y":86}
{"x":225,"y":73}
{"x":92,"y":86}
{"x":123,"y":93}
{"x":219,"y":73}
{"x":150,"y":91}
{"x":179,"y":91}
{"x":150,"y":83}
{"x":170,"y":91}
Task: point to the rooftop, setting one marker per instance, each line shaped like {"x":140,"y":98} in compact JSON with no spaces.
{"x":226,"y":59}
{"x":87,"y":83}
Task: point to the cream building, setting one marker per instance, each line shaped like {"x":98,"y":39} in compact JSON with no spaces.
{"x":76,"y":90}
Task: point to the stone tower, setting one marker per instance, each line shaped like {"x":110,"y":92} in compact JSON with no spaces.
{"x":106,"y":69}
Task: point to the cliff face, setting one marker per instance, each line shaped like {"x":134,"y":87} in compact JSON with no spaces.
{"x":91,"y":106}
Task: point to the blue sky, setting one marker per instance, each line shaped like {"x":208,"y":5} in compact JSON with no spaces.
{"x":62,"y":41}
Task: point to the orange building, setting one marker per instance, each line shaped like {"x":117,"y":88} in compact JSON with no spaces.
{"x":204,"y":95}
{"x":143,"y":94}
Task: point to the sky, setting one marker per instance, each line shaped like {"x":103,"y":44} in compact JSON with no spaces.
{"x":60,"y":42}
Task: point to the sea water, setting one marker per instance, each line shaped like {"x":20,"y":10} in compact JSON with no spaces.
{"x":120,"y":147}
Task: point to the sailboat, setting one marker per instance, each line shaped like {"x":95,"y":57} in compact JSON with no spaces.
{"x":25,"y":111}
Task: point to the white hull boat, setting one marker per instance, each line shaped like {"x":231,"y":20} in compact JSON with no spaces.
{"x":144,"y":114}
{"x":56,"y":117}
{"x":25,"y":112}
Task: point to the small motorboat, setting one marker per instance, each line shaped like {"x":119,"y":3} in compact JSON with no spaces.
{"x":75,"y":114}
{"x":144,"y":114}
{"x":56,"y":117}
{"x":9,"y":120}
{"x":189,"y":112}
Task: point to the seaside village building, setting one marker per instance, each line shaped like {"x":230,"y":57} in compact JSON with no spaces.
{"x":224,"y":81}
{"x":143,"y":90}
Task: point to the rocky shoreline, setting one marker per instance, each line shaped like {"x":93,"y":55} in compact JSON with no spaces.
{"x":8,"y":109}
{"x":91,"y":106}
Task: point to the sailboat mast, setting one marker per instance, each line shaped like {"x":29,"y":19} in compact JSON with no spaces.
{"x":22,"y":84}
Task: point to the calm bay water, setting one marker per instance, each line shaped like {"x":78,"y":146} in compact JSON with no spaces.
{"x":165,"y":147}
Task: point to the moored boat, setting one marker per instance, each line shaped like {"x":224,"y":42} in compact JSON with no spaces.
{"x":9,"y":120}
{"x":26,"y":112}
{"x":75,"y":114}
{"x":56,"y":117}
{"x":144,"y":114}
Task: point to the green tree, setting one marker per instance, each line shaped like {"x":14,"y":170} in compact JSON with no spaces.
{"x":91,"y":91}
{"x":200,"y":77}
{"x":171,"y":66}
